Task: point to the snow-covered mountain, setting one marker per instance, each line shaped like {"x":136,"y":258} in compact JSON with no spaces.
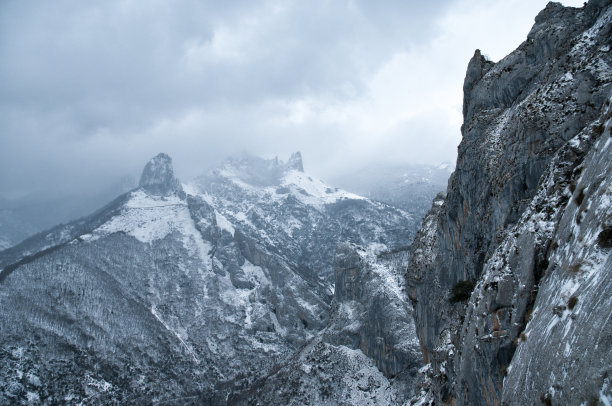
{"x":182,"y":291}
{"x":259,"y":284}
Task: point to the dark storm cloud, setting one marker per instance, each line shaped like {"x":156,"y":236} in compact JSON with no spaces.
{"x":90,"y":90}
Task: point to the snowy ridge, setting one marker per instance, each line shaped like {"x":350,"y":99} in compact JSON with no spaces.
{"x":308,"y":190}
{"x":313,"y":191}
{"x":149,"y":218}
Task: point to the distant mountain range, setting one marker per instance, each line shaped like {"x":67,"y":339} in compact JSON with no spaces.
{"x":28,"y":215}
{"x":409,"y":187}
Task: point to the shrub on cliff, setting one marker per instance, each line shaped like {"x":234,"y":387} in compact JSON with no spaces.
{"x":461,"y":291}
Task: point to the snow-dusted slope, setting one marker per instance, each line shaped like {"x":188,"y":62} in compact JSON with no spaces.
{"x":367,"y":355}
{"x":572,"y":313}
{"x":285,"y":208}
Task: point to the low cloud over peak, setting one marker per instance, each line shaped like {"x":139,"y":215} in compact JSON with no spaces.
{"x":85,"y":84}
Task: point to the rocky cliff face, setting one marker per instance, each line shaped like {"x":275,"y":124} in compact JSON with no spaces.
{"x":369,"y":311}
{"x":158,"y":177}
{"x":535,"y":127}
{"x":367,"y":354}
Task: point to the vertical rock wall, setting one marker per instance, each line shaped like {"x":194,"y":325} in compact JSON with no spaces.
{"x":518,"y":113}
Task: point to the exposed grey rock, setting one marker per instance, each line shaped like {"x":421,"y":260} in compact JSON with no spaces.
{"x":572,"y":314}
{"x":295,"y":162}
{"x":370,"y":311}
{"x":521,"y":119}
{"x":308,"y":217}
{"x":477,"y":67}
{"x":524,"y":270}
{"x":368,"y":353}
{"x":158,"y":177}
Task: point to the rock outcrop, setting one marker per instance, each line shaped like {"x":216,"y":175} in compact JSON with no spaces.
{"x":535,"y":124}
{"x":367,"y":354}
{"x":369,"y":311}
{"x":158,"y":177}
{"x":295,"y":162}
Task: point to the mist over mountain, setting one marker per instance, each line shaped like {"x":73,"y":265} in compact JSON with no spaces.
{"x":410,"y":187}
{"x":24,"y":216}
{"x":483,"y":282}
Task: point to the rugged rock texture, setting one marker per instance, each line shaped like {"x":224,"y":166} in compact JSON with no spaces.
{"x":529,"y":122}
{"x":367,"y":355}
{"x":572,"y":313}
{"x":158,"y":177}
{"x":369,"y":310}
{"x":295,"y":162}
{"x":282,"y":208}
{"x":180,"y":293}
{"x":423,"y":252}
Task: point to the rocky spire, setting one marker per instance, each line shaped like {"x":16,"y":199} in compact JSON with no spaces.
{"x":158,"y":177}
{"x":477,"y":68}
{"x":295,"y":162}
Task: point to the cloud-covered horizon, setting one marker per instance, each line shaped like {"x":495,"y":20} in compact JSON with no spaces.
{"x":89,"y":91}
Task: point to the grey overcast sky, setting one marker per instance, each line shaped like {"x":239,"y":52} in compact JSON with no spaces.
{"x":90,"y":90}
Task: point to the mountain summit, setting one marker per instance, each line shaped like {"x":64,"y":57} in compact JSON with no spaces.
{"x":158,"y":177}
{"x":295,"y":162}
{"x":257,"y":171}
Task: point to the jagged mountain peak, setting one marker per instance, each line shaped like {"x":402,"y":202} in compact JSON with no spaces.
{"x":158,"y":177}
{"x":270,"y":180}
{"x":224,"y":279}
{"x":477,"y":67}
{"x":295,"y":162}
{"x":256,"y":171}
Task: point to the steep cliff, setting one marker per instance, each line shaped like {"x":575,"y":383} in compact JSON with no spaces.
{"x":158,"y":177}
{"x":534,"y":153}
{"x":367,"y":354}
